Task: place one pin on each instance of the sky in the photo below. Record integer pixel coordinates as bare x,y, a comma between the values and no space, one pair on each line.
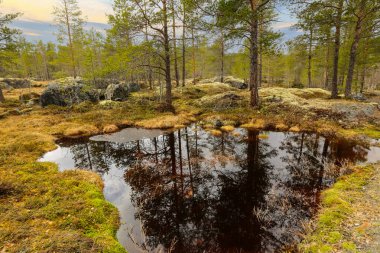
36,23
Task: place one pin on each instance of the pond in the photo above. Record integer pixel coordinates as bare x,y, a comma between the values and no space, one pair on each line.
191,191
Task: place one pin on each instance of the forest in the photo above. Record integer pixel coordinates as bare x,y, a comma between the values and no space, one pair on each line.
191,126
178,42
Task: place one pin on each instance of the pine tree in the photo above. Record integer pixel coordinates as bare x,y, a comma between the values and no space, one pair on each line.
7,40
69,20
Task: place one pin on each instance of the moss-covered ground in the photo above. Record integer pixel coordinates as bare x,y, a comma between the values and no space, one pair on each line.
348,220
43,210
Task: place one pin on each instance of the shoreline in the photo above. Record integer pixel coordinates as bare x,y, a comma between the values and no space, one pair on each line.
39,189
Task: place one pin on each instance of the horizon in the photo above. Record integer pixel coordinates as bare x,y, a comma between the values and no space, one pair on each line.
36,21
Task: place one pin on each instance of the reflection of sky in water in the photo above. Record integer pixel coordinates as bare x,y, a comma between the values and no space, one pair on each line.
139,172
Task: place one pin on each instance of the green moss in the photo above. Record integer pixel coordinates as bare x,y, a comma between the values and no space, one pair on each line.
54,212
336,209
370,131
334,237
349,246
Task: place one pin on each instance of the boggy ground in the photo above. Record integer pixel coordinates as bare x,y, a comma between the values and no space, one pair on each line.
47,211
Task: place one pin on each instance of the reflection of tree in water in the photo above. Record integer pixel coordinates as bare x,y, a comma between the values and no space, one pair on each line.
217,215
99,156
308,154
163,193
306,160
243,191
220,194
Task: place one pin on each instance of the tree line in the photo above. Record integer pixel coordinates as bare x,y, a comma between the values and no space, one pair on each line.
174,43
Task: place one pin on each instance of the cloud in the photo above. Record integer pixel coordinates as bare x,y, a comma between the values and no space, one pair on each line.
41,10
283,25
33,34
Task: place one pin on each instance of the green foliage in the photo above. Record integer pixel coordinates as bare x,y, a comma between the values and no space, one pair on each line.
8,54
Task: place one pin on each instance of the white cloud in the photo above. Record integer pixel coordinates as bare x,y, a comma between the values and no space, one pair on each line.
32,34
41,10
283,25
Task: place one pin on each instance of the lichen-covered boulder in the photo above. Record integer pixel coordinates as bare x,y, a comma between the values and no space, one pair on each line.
4,85
359,97
236,83
67,95
16,83
134,87
223,101
116,92
53,95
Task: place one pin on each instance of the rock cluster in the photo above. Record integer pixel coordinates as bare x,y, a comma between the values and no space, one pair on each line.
116,92
236,83
70,91
231,81
67,95
15,83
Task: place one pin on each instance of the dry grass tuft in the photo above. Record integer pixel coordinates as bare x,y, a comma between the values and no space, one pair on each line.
81,131
282,127
263,136
166,122
110,129
215,132
295,129
256,124
227,128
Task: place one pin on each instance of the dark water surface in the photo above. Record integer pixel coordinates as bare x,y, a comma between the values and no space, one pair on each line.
189,191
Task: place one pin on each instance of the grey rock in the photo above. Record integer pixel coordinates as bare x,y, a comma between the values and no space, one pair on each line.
133,87
218,123
53,95
116,92
16,83
4,85
102,83
359,97
236,83
67,95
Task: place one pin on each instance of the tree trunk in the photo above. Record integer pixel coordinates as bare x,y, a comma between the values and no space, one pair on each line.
184,47
253,77
327,62
362,82
260,52
222,59
168,95
338,24
2,98
175,48
193,51
150,71
353,53
70,40
260,68
310,57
